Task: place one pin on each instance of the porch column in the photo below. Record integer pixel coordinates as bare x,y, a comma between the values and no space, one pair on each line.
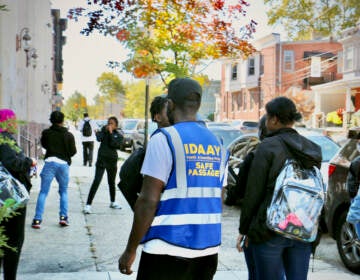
347,107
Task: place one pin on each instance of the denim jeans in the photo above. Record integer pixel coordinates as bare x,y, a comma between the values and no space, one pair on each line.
61,174
353,216
281,257
249,259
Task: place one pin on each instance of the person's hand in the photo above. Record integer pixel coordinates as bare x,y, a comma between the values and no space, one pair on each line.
125,262
34,162
241,243
110,128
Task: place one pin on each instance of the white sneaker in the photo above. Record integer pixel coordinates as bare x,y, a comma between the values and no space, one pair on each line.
115,205
87,209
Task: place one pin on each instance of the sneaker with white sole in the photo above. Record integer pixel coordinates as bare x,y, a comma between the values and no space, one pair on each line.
115,205
87,209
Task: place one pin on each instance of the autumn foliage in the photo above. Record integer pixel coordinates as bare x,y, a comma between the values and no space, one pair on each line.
170,37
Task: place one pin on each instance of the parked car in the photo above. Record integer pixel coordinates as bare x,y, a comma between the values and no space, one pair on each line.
100,123
245,126
337,206
139,135
210,124
241,146
226,134
128,127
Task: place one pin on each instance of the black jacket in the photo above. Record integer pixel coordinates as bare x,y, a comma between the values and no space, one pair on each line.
15,162
58,142
353,178
110,142
267,163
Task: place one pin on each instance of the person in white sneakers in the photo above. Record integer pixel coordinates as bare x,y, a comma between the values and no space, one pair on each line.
111,140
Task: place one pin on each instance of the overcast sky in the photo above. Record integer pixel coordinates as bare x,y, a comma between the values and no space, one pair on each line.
85,57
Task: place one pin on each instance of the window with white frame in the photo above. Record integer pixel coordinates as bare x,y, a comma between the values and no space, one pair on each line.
233,102
288,61
252,100
349,58
340,62
261,98
261,64
251,66
245,100
239,101
234,72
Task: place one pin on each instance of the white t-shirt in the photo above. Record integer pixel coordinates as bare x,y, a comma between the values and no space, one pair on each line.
158,151
94,127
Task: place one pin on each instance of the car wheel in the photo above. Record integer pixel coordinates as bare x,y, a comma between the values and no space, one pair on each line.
348,246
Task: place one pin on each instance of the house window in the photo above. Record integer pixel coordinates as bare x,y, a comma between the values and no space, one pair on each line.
288,61
233,102
261,64
252,100
340,62
245,101
251,66
349,58
239,100
234,69
261,98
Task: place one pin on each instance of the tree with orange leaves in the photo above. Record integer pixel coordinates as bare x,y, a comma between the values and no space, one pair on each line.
170,38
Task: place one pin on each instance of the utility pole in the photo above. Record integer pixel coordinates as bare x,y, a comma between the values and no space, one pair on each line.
146,132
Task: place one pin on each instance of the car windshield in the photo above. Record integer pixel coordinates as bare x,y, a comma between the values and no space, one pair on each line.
226,135
328,147
250,124
128,124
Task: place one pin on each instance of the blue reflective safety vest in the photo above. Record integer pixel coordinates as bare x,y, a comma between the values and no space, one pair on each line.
189,211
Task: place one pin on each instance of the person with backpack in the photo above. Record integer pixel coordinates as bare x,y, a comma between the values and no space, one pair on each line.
275,256
238,194
130,176
88,129
110,141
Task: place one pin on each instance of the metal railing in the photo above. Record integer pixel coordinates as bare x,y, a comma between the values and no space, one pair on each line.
30,141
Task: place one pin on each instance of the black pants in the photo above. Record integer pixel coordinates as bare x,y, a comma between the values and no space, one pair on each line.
165,267
88,149
111,168
14,230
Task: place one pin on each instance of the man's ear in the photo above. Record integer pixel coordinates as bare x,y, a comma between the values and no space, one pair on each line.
156,118
170,105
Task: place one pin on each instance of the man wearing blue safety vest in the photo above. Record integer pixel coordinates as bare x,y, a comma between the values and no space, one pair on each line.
177,216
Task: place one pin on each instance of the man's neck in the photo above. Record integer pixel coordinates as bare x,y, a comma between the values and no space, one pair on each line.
180,117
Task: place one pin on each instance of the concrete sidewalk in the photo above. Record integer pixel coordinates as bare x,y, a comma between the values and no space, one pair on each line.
90,247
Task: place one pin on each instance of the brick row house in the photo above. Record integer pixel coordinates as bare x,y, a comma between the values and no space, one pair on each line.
277,68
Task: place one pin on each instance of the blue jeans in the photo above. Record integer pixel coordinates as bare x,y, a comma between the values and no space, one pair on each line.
61,174
249,259
281,257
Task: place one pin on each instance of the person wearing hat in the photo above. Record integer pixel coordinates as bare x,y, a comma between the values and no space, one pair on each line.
177,215
59,144
19,165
